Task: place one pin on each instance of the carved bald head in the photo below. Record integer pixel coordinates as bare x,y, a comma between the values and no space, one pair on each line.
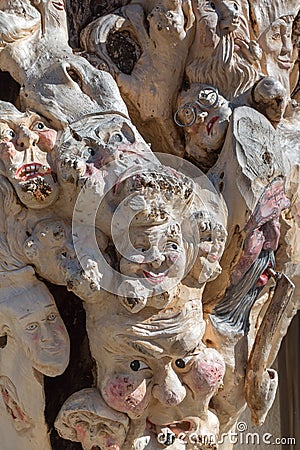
30,317
25,141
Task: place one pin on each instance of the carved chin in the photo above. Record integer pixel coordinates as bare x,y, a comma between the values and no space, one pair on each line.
37,192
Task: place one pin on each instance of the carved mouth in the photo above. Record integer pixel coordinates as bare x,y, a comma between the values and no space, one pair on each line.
210,124
28,171
59,5
95,447
284,63
155,278
177,428
264,277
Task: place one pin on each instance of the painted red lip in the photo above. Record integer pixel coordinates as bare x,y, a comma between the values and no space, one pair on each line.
28,171
177,428
284,63
210,124
59,5
155,278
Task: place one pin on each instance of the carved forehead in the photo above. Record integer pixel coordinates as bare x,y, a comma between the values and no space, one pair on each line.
167,333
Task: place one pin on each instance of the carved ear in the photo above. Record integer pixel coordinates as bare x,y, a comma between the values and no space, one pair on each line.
30,249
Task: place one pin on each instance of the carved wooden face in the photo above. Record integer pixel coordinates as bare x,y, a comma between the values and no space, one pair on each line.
34,322
156,255
278,52
227,12
148,371
50,250
24,143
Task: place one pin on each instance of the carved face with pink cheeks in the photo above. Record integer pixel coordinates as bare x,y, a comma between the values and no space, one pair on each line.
32,319
159,369
24,144
155,255
279,54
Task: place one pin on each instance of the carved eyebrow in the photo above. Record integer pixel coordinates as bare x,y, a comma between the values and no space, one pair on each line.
29,313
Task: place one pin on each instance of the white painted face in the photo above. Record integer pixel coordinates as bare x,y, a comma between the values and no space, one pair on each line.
24,143
35,323
156,255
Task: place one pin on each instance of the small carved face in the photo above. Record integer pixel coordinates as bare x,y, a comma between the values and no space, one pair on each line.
276,41
226,12
156,256
96,434
205,123
24,144
38,327
50,250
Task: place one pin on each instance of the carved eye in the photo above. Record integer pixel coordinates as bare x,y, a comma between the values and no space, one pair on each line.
89,151
235,6
38,126
181,363
276,36
31,327
51,317
172,246
9,134
137,365
115,138
212,5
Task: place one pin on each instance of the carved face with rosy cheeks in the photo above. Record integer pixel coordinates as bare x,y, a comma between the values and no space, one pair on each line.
156,256
144,370
32,319
24,143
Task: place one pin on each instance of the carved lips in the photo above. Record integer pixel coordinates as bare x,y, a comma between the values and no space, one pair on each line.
211,123
31,170
59,5
155,278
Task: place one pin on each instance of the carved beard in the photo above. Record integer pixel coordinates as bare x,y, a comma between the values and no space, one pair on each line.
229,71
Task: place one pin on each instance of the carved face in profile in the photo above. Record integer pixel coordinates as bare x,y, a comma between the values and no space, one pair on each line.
155,255
50,250
24,143
159,369
31,318
278,53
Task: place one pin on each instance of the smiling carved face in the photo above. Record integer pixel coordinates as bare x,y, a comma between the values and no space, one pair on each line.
24,143
156,256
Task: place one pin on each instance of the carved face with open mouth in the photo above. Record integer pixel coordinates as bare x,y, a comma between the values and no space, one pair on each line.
156,256
24,143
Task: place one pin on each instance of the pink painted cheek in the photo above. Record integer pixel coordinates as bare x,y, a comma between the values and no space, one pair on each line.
81,433
47,139
7,151
123,394
207,374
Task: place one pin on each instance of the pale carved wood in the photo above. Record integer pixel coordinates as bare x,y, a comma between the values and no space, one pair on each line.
188,282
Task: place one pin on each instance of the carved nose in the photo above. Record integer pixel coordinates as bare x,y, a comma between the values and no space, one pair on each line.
169,390
157,258
228,18
27,138
287,46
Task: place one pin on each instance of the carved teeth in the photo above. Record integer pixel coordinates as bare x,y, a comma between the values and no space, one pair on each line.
32,169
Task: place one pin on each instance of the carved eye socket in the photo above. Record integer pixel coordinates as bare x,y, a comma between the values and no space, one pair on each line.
8,133
51,317
235,6
212,5
89,151
172,246
115,138
32,327
137,365
38,126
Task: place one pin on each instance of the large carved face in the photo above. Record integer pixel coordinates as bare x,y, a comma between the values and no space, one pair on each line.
24,143
34,322
159,369
278,52
156,255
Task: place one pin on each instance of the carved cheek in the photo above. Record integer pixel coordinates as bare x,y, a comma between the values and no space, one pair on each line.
124,394
7,151
47,139
206,374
